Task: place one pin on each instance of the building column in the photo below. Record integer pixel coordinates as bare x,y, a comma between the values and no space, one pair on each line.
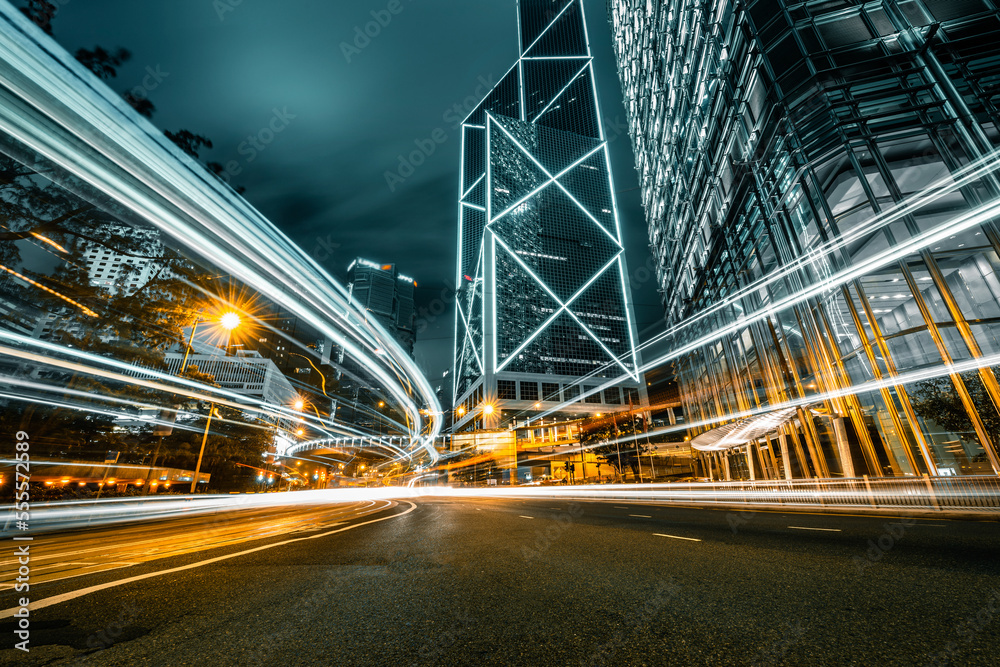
772,459
671,416
725,465
765,469
843,447
749,455
492,420
787,462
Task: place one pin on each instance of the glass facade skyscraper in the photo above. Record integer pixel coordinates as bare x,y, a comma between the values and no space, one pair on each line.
819,181
542,302
387,295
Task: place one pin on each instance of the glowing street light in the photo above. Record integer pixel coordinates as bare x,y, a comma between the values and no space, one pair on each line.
230,320
488,409
299,404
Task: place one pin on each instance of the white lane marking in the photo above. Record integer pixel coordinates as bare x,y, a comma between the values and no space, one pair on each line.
825,530
83,572
525,517
50,567
677,537
348,507
56,599
641,516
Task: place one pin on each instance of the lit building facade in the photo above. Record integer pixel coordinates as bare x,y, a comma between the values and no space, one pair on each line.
118,272
387,295
247,373
818,178
543,312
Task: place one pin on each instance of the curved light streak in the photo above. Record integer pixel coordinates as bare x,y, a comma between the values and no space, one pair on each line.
977,216
69,117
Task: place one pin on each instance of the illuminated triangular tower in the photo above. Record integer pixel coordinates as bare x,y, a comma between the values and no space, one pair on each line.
544,311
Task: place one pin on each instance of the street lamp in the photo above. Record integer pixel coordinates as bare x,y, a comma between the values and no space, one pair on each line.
229,322
201,452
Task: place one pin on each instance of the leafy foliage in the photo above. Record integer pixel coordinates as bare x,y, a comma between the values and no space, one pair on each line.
938,400
141,104
599,436
189,142
102,62
41,13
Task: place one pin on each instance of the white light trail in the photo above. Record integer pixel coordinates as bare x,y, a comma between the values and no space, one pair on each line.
96,139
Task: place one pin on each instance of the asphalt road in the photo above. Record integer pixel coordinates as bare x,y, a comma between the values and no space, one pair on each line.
523,582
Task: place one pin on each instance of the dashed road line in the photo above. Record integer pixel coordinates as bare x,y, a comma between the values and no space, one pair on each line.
677,537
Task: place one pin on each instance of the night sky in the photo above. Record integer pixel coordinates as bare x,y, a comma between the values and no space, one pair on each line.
226,66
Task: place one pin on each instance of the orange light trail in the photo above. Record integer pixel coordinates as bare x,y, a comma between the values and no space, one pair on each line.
45,239
86,311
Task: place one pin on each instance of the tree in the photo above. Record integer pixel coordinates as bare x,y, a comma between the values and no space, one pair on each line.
128,320
141,104
103,63
188,141
938,400
41,13
234,438
600,435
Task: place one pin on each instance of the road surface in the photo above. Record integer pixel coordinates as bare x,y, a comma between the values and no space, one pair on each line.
520,582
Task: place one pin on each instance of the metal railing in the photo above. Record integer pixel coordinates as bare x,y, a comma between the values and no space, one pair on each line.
965,494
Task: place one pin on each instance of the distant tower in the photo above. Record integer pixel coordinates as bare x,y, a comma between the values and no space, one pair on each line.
542,299
388,297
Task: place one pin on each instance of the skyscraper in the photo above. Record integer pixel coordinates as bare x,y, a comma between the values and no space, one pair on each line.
818,179
542,301
387,295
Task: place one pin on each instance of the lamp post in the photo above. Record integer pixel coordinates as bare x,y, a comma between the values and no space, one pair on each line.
229,321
